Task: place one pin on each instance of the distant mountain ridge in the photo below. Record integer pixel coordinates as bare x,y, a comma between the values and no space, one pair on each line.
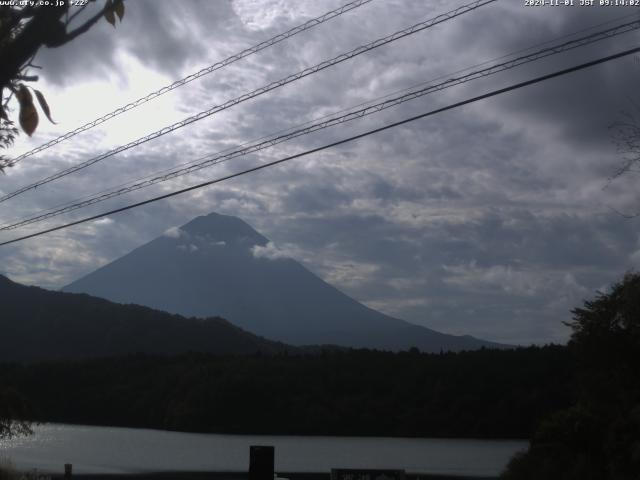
219,265
40,325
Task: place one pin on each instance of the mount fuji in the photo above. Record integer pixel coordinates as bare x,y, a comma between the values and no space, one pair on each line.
209,267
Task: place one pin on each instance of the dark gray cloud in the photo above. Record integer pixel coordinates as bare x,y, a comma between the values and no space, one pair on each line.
581,106
90,55
166,36
491,219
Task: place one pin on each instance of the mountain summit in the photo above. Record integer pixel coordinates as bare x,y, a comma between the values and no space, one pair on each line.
218,265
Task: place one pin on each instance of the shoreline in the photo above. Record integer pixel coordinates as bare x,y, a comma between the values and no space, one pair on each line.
280,434
234,475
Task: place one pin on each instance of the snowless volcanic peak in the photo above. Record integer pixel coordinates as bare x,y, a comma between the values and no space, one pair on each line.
218,265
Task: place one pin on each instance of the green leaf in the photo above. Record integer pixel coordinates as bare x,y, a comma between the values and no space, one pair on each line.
119,8
28,114
23,95
44,105
28,118
109,14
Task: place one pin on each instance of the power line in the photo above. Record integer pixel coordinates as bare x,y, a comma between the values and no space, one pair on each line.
183,81
352,107
262,90
311,127
337,143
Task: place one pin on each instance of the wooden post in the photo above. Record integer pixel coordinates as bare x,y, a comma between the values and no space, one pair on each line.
261,462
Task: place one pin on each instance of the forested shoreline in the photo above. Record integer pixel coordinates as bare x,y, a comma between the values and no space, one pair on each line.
476,394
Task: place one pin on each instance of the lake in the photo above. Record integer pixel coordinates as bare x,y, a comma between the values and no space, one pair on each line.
126,450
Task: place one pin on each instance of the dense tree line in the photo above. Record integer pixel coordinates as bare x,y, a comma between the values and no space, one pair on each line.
486,393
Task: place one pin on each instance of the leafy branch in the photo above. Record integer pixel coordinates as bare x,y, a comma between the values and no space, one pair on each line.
23,30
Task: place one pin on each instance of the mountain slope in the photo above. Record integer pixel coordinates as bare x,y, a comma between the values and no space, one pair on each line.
37,324
216,265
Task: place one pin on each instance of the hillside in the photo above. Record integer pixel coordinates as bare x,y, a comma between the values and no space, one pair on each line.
38,324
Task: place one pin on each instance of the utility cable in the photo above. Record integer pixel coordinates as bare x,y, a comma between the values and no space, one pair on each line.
221,157
335,144
260,91
183,81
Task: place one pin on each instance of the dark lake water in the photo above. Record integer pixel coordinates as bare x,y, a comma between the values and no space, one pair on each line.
126,450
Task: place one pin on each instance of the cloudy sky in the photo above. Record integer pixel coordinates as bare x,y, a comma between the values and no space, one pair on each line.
493,220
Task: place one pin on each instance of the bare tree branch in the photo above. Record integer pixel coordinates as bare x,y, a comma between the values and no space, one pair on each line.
28,78
78,12
86,25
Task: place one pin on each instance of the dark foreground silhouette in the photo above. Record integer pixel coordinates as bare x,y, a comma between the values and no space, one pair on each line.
598,437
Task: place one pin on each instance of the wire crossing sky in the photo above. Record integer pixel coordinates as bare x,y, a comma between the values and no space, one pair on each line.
493,220
183,81
418,27
334,144
336,120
